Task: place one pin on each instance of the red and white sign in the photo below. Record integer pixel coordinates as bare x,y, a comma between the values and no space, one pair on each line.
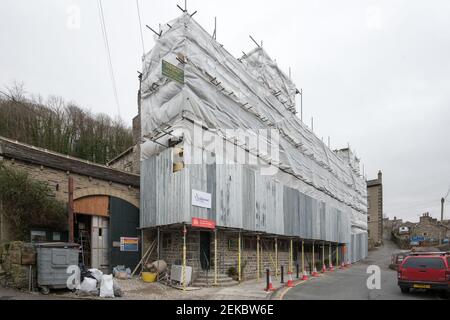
203,223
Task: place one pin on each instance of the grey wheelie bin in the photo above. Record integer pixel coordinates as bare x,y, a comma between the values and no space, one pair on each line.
53,258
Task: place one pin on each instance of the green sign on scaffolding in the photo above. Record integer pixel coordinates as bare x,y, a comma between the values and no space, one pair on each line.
172,72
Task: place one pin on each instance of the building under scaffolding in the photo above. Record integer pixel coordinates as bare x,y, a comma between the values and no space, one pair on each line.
231,180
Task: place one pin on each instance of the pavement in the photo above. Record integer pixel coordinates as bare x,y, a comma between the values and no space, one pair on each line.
351,283
135,289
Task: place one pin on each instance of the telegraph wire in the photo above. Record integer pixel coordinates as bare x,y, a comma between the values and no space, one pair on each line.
108,53
140,26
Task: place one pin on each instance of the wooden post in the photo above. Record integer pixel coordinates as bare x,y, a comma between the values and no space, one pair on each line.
184,257
258,270
239,257
70,211
276,257
215,257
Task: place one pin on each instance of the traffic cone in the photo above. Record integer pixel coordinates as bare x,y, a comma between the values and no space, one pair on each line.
304,276
314,273
270,287
290,282
331,267
324,268
342,265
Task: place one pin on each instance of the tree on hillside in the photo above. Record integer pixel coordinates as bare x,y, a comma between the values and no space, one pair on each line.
60,126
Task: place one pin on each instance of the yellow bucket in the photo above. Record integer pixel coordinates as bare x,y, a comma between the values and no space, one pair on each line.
148,276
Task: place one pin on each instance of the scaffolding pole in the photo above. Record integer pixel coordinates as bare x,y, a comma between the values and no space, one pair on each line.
313,259
258,270
329,256
337,255
303,257
291,255
323,254
215,257
276,257
239,257
184,257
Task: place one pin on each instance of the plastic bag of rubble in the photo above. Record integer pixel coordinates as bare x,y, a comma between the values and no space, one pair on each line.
107,286
88,285
117,289
97,274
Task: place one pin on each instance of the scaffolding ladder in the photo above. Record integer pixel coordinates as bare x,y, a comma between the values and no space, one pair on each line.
85,246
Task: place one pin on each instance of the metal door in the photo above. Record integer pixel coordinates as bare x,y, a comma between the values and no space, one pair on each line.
124,222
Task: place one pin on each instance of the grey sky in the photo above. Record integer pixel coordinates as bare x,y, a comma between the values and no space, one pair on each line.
375,74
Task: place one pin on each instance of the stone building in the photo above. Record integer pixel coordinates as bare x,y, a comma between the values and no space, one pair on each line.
105,201
375,211
430,229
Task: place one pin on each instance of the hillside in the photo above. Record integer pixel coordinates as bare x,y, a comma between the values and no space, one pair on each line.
63,127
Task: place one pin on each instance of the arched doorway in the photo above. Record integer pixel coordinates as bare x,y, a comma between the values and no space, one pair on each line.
107,229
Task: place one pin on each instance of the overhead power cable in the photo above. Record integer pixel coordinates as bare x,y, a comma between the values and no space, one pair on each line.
108,54
140,26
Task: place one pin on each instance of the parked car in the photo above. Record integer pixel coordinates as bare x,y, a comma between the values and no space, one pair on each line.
397,258
425,270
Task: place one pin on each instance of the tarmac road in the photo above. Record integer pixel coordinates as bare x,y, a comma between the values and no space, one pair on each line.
350,283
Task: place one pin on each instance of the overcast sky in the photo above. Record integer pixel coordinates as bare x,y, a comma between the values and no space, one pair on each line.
375,74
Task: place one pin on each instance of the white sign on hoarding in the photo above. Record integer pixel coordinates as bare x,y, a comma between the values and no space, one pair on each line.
201,199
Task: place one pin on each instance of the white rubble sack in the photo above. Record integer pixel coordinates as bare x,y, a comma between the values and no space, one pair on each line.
97,274
107,286
88,285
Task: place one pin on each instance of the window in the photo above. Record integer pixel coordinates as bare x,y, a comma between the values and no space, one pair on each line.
56,236
249,244
424,263
38,236
166,240
283,245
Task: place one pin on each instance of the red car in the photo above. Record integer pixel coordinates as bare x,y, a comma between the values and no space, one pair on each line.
425,271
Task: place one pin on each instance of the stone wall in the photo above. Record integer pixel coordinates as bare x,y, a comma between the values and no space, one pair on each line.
15,260
4,228
129,161
58,181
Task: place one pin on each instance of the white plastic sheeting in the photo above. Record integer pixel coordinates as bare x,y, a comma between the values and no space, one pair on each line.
221,92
